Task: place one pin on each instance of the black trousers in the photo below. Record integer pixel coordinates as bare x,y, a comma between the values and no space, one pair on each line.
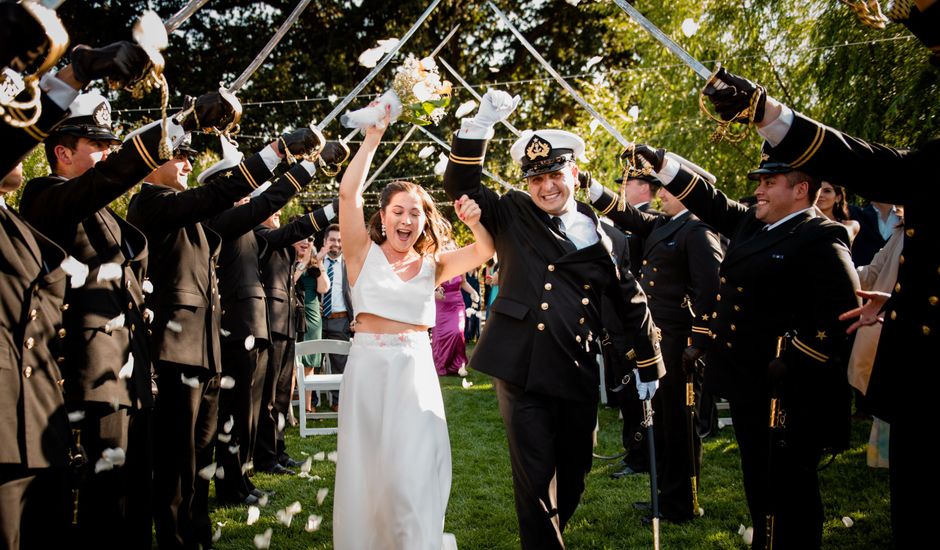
236,410
114,505
550,446
791,490
275,403
675,463
35,507
185,421
911,468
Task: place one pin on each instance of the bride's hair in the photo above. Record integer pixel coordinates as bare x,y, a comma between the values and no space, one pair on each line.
436,229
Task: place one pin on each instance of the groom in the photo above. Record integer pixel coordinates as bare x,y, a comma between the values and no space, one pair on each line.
541,342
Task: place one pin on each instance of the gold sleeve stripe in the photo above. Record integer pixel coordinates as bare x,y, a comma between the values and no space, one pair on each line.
245,172
688,188
649,362
478,162
701,330
613,203
458,157
313,220
144,153
293,181
811,150
31,130
810,351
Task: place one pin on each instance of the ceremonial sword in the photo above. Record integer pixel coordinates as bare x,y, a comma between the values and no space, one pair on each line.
473,92
181,16
587,106
440,142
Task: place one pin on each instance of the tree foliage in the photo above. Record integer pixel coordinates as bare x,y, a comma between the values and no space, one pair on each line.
812,54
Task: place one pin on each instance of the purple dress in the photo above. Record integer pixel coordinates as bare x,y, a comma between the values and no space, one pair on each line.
447,343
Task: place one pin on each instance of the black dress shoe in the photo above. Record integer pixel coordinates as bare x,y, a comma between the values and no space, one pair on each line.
251,500
627,471
291,463
277,469
261,493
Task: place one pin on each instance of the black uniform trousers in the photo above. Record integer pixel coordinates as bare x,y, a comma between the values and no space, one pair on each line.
631,408
550,451
791,490
672,434
37,507
115,505
275,403
236,404
185,420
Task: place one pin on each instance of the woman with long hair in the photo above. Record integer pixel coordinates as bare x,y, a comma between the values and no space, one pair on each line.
394,470
832,203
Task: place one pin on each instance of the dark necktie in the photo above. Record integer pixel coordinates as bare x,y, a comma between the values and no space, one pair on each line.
560,226
328,296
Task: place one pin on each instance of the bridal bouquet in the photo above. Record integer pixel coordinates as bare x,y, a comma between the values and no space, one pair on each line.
418,96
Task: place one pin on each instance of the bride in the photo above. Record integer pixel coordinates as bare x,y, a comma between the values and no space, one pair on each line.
393,471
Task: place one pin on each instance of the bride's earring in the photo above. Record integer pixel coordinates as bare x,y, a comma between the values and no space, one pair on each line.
383,229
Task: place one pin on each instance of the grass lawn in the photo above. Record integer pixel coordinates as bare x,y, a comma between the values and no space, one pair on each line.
481,512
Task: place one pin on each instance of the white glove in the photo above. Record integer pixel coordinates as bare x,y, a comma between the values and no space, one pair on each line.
496,105
645,389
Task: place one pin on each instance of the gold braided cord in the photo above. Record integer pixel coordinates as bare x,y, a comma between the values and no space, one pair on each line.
746,117
33,103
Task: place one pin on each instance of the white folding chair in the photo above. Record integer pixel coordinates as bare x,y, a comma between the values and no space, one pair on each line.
317,382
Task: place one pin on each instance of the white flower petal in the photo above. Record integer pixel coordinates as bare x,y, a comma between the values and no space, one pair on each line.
305,467
128,369
332,98
253,514
494,69
220,473
209,471
594,124
320,456
294,508
462,371
76,270
250,342
465,108
387,44
741,529
76,416
441,165
148,315
233,449
263,500
227,427
284,517
114,324
422,91
313,523
280,422
634,112
466,383
573,2
370,58
321,495
114,455
109,272
426,152
147,286
689,27
332,456
593,61
748,536
227,383
191,382
224,332
224,438
847,521
103,465
218,534
174,326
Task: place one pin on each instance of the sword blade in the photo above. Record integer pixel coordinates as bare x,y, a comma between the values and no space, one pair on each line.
181,16
375,70
391,155
269,47
558,78
473,92
446,147
670,44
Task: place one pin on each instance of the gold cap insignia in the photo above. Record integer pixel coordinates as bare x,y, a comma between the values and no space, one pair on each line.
764,157
537,148
102,115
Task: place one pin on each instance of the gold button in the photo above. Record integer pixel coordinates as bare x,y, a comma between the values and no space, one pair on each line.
27,372
130,306
30,343
541,326
60,360
718,298
733,328
897,287
544,306
581,321
645,262
133,327
548,286
714,315
723,280
585,301
894,315
933,300
33,314
926,330
587,287
740,289
909,232
652,283
655,269
551,267
737,308
64,307
61,333
729,344
901,259
577,338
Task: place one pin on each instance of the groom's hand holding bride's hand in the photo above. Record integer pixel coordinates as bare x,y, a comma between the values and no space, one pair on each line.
468,210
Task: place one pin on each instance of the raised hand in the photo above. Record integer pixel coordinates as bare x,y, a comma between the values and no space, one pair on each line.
212,110
306,143
734,96
121,62
496,105
641,159
468,210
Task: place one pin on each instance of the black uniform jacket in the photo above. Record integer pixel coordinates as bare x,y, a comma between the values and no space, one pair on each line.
75,214
18,142
794,281
277,268
183,253
34,427
546,319
912,315
679,266
244,312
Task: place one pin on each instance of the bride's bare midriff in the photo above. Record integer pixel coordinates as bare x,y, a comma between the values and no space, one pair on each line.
369,323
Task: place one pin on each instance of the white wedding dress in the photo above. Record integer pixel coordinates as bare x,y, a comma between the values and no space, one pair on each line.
393,470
